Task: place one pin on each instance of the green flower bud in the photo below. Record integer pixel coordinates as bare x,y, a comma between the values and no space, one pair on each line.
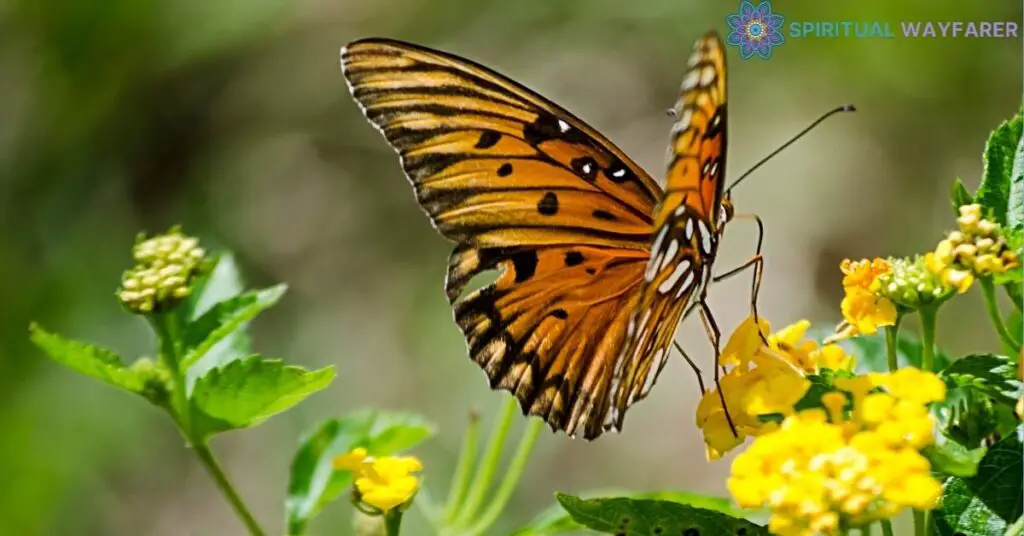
166,266
911,285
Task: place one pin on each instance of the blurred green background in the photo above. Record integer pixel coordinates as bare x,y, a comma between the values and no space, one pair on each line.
233,118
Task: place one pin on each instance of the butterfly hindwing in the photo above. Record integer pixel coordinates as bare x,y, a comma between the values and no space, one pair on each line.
529,190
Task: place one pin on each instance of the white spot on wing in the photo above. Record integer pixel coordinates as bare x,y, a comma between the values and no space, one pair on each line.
670,254
652,267
652,264
673,278
705,238
690,81
619,173
707,74
587,167
689,228
687,282
563,126
653,372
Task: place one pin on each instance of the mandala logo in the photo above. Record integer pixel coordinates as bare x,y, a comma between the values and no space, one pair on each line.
755,30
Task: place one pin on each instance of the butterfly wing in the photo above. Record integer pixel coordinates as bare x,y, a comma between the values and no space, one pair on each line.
525,188
687,222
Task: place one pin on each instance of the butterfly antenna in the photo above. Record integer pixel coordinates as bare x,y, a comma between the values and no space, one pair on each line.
826,115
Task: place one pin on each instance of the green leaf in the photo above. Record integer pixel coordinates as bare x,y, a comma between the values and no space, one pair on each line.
871,354
990,500
959,196
994,376
953,459
246,392
821,384
555,520
99,363
994,192
646,517
1015,206
313,483
222,282
223,319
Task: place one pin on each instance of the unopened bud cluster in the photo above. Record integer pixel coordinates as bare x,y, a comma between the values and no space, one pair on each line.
166,266
909,283
977,249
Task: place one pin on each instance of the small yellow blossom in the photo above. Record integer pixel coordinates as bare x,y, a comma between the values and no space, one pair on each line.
761,380
163,275
864,309
823,469
385,482
977,249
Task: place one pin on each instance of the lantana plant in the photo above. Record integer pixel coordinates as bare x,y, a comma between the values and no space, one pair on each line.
837,429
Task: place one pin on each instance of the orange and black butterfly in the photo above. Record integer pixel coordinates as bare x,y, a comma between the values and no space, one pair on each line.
597,263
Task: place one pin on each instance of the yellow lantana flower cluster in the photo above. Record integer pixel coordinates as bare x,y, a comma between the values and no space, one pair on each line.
978,249
823,471
761,379
864,308
383,483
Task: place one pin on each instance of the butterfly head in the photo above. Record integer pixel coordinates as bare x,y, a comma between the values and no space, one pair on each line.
725,214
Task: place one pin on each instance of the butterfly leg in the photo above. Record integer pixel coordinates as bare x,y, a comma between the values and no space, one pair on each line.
757,262
696,370
715,335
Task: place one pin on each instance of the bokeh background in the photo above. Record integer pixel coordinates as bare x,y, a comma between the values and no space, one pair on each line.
232,118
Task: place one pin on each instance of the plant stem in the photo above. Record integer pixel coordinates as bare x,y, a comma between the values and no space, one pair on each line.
928,314
886,527
865,529
211,465
393,522
992,307
485,471
464,469
919,523
168,329
891,333
508,484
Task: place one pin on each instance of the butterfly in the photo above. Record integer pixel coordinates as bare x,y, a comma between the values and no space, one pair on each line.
597,263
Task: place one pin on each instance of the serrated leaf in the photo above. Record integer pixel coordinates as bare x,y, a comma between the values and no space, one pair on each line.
951,458
871,353
91,360
959,196
990,500
313,483
244,393
646,517
994,191
222,282
994,376
555,519
1015,206
223,319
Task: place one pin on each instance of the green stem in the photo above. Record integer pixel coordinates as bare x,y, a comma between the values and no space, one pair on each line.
919,523
508,484
865,529
886,527
992,307
393,522
212,467
464,469
891,334
928,315
485,471
168,329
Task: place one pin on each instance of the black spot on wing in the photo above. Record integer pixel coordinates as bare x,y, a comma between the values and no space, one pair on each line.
548,204
547,127
604,215
488,139
585,167
573,258
525,264
505,170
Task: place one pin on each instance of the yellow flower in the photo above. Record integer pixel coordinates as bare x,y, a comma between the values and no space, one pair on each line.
864,308
821,470
761,380
384,482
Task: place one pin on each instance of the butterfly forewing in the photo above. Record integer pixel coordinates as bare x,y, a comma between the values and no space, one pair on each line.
687,222
527,189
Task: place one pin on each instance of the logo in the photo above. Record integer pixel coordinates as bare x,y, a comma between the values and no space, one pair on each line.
755,30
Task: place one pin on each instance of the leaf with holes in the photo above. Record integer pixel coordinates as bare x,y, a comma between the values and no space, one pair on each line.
555,520
313,483
647,517
988,502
